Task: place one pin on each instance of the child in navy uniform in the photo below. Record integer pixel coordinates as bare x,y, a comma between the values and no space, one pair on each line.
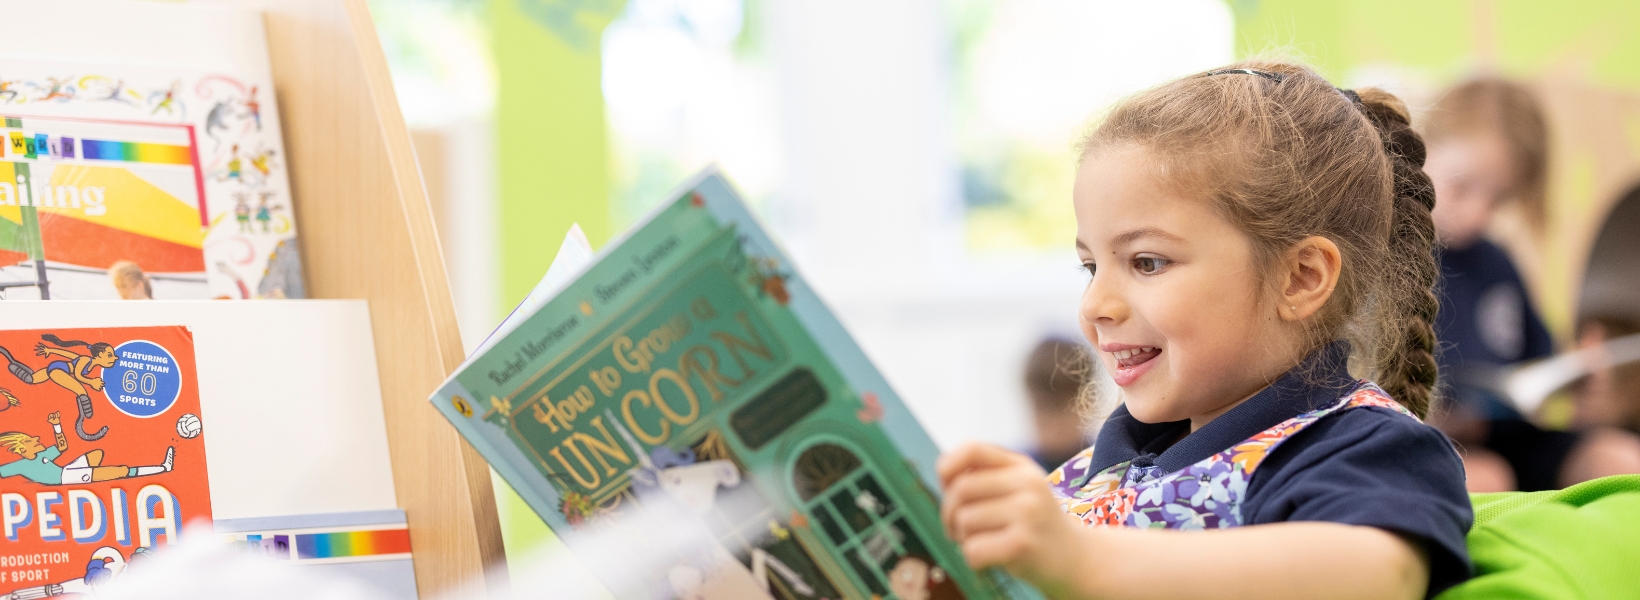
1489,151
1253,235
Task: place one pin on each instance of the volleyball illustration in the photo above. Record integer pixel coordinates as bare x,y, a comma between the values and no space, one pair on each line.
188,426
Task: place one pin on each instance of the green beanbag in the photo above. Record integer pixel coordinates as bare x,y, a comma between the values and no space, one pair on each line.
1580,542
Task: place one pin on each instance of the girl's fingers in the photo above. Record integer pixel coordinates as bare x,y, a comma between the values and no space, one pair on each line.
983,487
974,456
954,462
977,519
993,548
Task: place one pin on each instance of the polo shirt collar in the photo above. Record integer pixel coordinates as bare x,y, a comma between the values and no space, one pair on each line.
1320,380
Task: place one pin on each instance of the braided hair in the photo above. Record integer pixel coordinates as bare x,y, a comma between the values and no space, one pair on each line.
1406,362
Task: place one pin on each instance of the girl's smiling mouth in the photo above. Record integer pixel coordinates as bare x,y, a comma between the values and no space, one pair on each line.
1131,361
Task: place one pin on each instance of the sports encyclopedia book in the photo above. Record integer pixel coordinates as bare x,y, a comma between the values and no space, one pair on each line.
694,423
102,455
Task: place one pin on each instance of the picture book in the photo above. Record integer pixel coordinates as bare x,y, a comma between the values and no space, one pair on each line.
99,210
204,69
310,375
102,453
326,504
693,422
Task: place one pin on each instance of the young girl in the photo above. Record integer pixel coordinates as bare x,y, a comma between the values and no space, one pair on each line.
1252,233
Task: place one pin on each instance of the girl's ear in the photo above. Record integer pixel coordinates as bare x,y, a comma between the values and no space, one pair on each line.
1309,271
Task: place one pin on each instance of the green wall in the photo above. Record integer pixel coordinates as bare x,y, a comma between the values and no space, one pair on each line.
1446,39
553,146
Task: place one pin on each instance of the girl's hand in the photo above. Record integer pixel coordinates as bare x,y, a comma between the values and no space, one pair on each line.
96,383
40,349
999,510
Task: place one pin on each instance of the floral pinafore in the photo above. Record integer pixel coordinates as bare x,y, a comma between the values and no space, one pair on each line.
1205,495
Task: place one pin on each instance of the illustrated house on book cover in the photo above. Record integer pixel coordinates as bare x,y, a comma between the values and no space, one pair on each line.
694,423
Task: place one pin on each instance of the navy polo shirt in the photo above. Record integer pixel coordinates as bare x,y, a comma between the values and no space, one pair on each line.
1486,318
1485,322
1364,466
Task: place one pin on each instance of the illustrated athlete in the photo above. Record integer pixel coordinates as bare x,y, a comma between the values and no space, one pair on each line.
38,461
71,371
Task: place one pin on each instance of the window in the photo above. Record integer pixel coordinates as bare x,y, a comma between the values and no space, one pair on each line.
863,522
1029,74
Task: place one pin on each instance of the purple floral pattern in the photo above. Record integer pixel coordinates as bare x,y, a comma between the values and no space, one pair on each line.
1205,495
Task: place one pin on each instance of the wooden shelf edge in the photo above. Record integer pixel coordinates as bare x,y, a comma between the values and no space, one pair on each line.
368,232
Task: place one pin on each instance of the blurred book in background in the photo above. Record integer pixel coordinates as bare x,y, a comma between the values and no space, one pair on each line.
199,78
84,204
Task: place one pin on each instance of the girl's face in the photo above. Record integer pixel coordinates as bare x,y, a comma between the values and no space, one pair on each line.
1473,176
1174,307
104,359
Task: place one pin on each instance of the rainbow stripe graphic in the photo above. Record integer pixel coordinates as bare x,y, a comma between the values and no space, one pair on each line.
346,544
143,152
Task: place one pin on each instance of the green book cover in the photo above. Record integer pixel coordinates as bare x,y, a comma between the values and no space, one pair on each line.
694,423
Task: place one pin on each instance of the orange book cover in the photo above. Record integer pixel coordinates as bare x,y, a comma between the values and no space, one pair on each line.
102,454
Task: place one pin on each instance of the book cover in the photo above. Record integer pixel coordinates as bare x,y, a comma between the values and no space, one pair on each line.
370,547
202,68
99,210
694,423
102,454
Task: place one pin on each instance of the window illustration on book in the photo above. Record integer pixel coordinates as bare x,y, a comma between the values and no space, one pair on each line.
102,454
694,423
93,210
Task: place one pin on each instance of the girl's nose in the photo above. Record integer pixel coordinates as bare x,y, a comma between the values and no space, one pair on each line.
1102,303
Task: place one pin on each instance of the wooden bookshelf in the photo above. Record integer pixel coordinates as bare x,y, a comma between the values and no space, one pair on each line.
368,232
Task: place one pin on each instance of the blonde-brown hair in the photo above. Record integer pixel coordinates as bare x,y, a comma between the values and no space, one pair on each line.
1285,156
15,442
1490,105
128,275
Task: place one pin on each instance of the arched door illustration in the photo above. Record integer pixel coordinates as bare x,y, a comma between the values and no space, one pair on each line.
844,498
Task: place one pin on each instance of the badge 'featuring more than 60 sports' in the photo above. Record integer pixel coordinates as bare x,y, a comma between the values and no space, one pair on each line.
102,454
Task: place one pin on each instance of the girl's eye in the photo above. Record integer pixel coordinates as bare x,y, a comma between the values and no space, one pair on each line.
1089,267
1150,265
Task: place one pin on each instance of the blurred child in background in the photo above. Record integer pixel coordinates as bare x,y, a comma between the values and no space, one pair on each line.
1610,396
1607,404
130,281
1055,372
1488,150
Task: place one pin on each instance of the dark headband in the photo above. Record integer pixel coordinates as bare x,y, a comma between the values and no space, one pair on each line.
1276,77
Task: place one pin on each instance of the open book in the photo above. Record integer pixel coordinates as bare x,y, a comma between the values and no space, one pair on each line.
694,423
